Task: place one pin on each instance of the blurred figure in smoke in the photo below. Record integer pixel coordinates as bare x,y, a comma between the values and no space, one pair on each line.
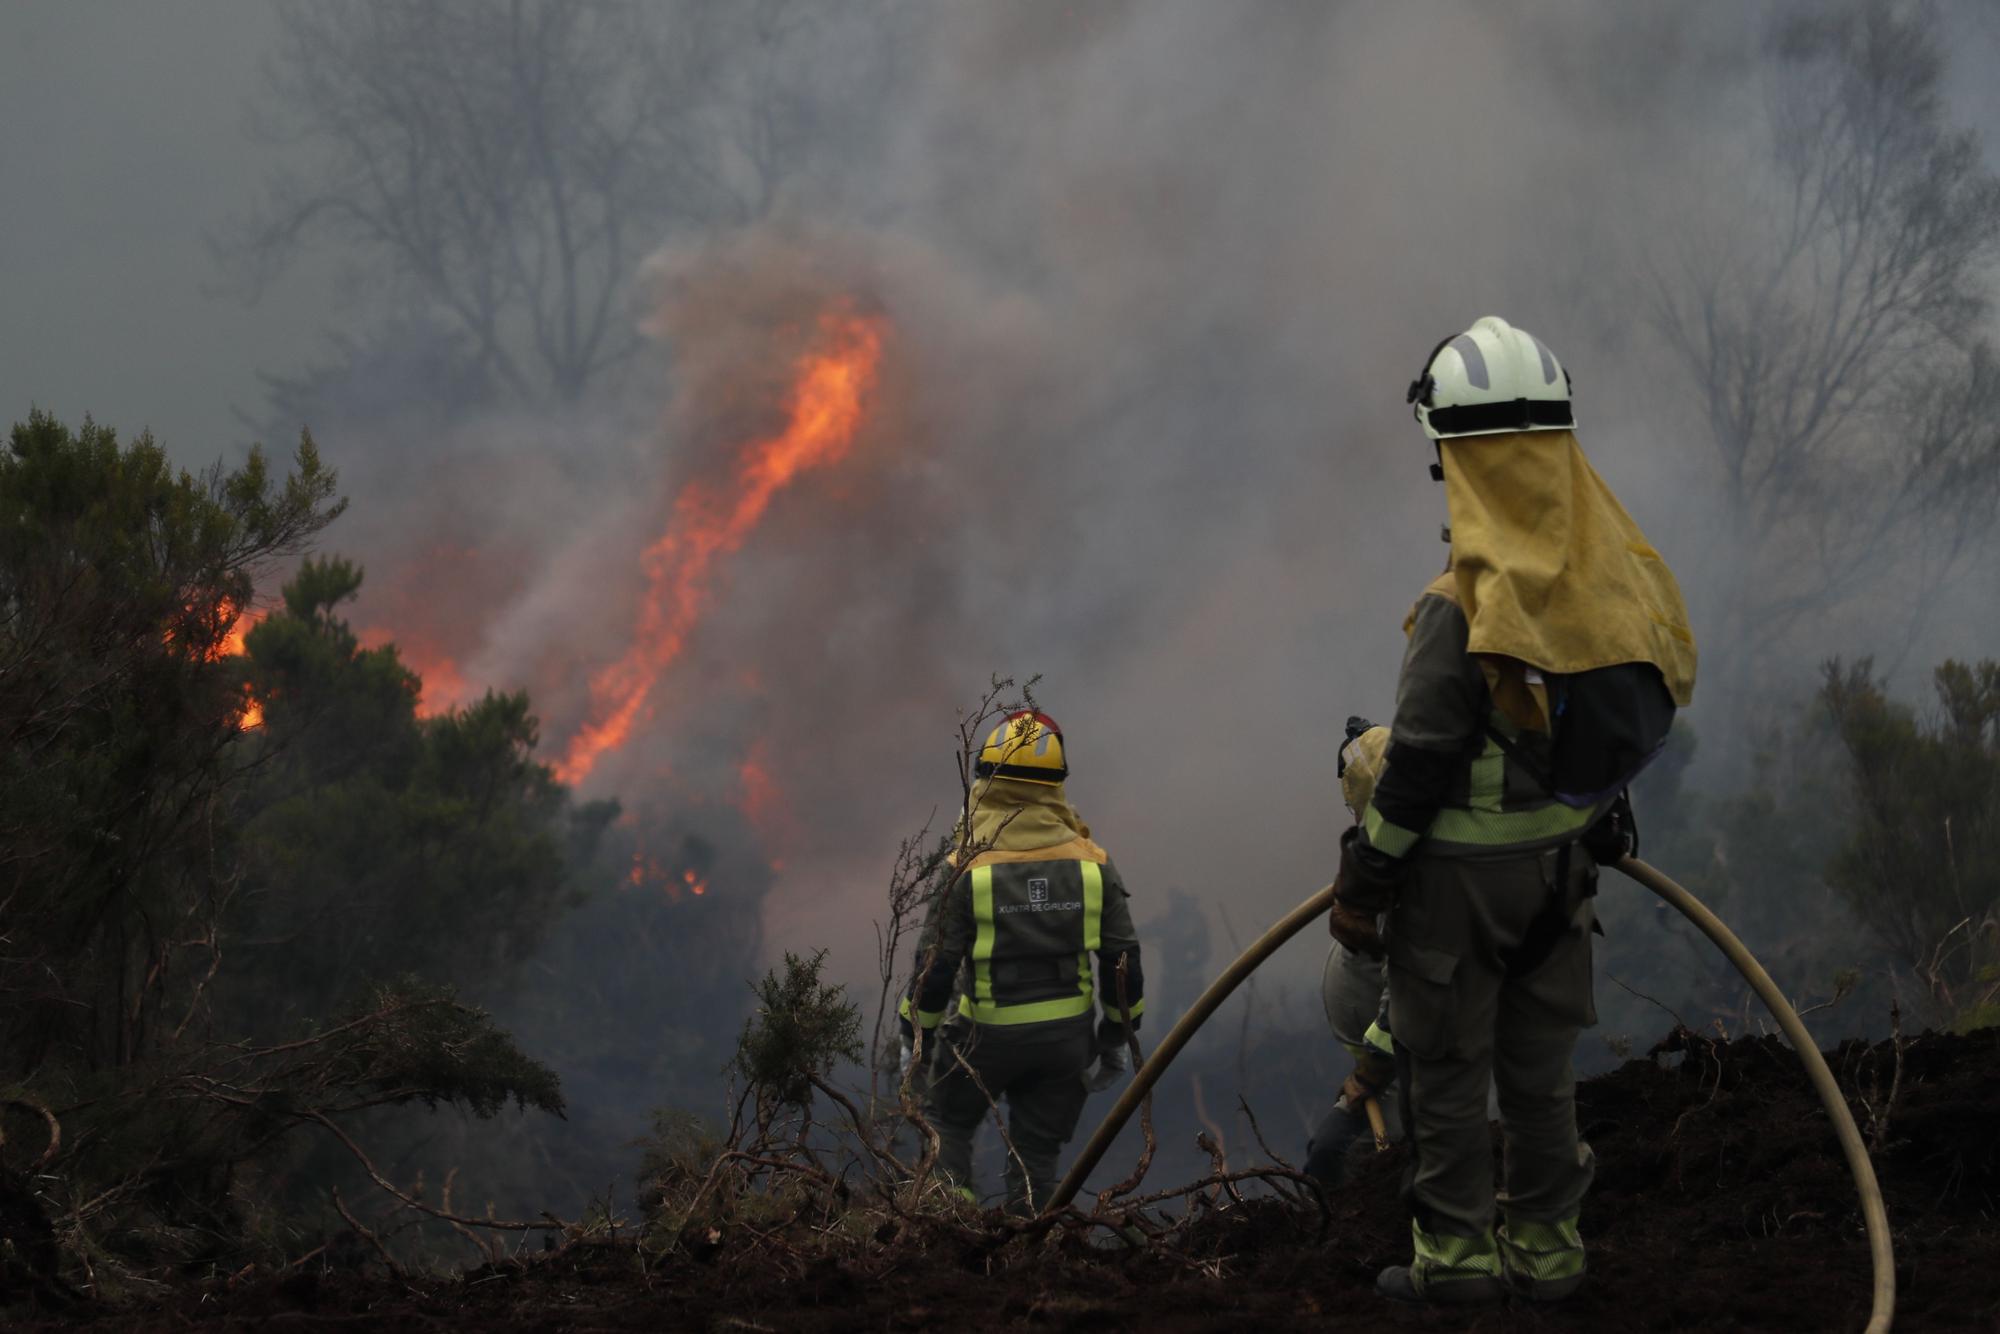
1542,671
1355,991
1033,902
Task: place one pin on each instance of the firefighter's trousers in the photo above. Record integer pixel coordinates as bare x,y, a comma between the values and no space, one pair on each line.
1460,1019
1038,1075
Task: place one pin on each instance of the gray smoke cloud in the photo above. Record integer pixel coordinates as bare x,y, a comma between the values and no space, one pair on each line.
1154,278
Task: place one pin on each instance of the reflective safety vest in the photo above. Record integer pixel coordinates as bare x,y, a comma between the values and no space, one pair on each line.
1448,781
1042,940
1497,806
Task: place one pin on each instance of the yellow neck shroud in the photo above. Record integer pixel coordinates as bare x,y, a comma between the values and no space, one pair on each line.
1549,568
1019,821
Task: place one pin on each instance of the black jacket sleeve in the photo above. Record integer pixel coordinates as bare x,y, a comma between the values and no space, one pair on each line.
1118,942
1441,710
938,958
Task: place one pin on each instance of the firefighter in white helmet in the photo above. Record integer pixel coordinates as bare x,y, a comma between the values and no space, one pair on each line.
1540,668
1039,915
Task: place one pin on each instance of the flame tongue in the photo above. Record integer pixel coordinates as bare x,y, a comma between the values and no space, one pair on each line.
235,622
825,409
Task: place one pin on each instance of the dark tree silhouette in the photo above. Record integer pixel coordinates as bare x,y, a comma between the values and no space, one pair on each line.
502,168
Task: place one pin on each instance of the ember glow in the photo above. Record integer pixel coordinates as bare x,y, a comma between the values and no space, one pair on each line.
233,647
240,621
651,873
761,798
441,687
239,629
233,621
824,411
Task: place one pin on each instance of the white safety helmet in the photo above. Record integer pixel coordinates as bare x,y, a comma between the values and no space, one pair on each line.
1491,380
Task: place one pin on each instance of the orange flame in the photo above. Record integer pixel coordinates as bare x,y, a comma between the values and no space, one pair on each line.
239,629
647,870
824,412
236,623
233,646
441,687
241,620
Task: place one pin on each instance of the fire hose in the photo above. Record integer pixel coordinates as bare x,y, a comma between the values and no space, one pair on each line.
1873,1211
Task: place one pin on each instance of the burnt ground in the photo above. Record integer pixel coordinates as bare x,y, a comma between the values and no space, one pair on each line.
1721,1203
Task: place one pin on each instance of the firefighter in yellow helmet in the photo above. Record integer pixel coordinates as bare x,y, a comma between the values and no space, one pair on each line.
1542,669
1037,915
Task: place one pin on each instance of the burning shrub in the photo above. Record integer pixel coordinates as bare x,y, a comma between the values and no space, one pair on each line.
380,843
162,1058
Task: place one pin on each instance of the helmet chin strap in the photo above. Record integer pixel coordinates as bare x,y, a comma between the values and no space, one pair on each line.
1437,475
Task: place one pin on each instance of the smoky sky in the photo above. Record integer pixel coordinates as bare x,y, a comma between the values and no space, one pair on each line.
1155,277
124,138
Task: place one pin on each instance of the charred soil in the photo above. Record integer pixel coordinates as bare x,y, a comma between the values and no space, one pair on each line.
1721,1203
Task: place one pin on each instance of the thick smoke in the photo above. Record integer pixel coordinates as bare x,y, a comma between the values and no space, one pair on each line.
1154,278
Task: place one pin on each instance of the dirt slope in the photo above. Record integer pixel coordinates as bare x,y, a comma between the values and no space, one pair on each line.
1721,1203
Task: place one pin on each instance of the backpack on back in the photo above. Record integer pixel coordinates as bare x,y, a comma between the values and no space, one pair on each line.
1609,723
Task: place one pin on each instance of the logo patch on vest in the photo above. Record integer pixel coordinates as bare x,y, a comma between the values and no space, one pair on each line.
1038,900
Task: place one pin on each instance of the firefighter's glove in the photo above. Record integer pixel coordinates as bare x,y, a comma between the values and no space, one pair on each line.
1369,878
1356,930
1371,1078
1615,835
1102,1073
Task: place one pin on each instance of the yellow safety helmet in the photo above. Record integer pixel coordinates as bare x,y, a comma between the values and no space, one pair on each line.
1026,745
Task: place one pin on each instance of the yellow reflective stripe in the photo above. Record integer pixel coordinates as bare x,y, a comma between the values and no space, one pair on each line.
1033,1012
1378,1037
1488,779
1444,1258
922,1018
1093,905
1542,1251
1490,829
982,938
1093,923
965,1006
1387,836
